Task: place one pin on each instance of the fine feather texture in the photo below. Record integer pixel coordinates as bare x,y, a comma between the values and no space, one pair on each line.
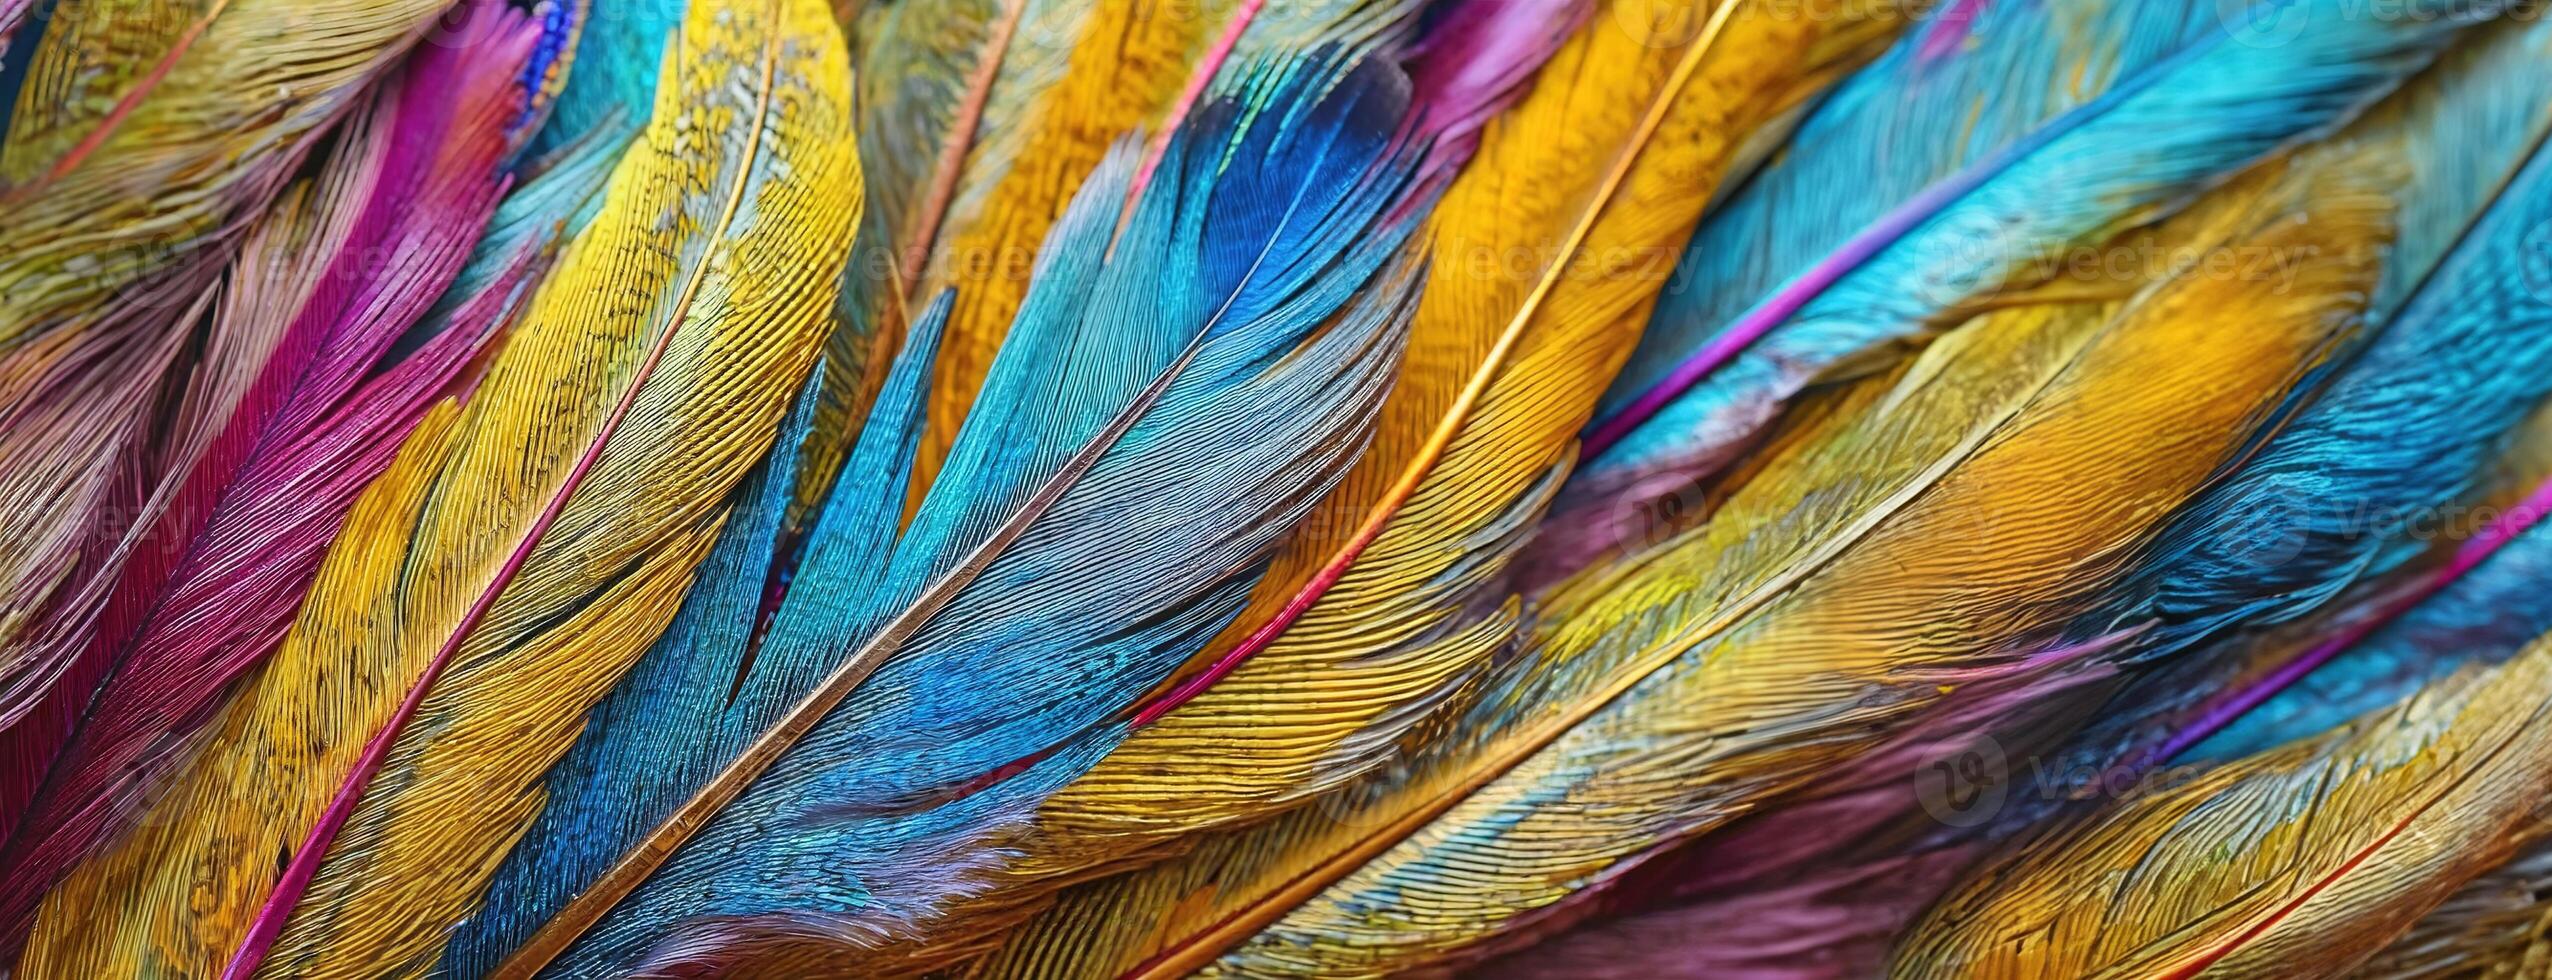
2335,491
2300,862
2496,928
611,69
1321,488
1148,779
214,583
1134,61
1807,201
650,282
1828,601
2484,611
940,77
1389,634
110,253
2139,151
1329,697
1269,216
2407,426
1743,584
705,678
1064,845
775,82
202,137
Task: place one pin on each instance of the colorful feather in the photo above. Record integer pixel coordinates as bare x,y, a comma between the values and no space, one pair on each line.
1341,488
1807,862
2228,95
1756,649
2494,929
1133,64
332,284
2302,861
1274,219
1324,690
648,375
111,248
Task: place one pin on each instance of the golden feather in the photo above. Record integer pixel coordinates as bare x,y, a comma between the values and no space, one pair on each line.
2299,862
1972,507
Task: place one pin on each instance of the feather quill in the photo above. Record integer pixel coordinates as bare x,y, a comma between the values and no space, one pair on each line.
641,402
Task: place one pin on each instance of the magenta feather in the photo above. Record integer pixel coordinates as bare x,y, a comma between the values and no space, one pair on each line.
219,573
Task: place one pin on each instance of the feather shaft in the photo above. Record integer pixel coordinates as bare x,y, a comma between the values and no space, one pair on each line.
730,783
150,80
721,790
952,154
1860,249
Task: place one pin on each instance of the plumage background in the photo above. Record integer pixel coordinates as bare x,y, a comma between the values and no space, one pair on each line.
1057,489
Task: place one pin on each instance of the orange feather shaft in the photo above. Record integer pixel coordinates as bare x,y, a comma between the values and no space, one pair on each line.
952,156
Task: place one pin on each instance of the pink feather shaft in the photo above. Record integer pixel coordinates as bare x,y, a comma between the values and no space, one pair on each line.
2241,700
1206,68
1799,292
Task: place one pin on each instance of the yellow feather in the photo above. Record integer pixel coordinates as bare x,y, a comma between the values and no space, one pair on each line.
173,896
2299,862
1974,505
253,83
93,52
2498,927
111,245
1518,330
720,237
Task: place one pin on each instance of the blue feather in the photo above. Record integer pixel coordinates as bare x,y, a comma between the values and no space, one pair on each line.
611,68
2232,95
1259,269
705,691
2486,616
2409,426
